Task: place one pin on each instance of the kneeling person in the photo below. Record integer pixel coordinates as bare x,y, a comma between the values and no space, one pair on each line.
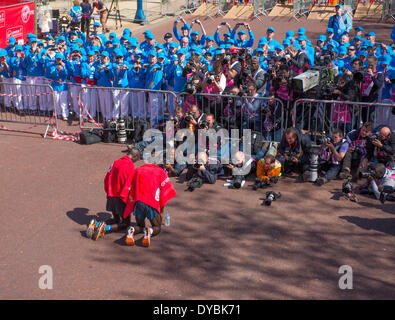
268,170
331,157
151,191
117,185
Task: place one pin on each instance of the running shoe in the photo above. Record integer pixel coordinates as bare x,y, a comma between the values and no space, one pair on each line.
147,237
130,236
100,231
91,228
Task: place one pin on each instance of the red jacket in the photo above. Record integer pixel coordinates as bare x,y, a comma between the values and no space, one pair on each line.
119,178
152,186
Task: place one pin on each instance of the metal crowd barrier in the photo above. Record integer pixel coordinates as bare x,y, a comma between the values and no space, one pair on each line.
98,104
27,103
263,114
318,116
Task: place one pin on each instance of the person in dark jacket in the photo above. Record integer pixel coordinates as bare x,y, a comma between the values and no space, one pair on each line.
384,147
205,170
360,147
294,151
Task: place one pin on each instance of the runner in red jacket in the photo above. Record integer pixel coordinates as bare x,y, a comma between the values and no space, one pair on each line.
117,185
151,191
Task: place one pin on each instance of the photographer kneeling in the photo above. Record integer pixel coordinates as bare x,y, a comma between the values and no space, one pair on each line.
378,177
202,171
294,151
331,157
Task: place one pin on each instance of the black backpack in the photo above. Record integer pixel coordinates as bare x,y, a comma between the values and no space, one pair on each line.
256,141
90,136
109,132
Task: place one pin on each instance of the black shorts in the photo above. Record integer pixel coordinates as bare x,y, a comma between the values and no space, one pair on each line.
116,206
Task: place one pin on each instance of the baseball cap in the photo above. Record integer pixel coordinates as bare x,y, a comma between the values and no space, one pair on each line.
149,35
329,30
18,47
97,24
161,55
363,53
301,31
90,53
302,38
241,32
194,32
105,54
371,33
198,51
3,53
118,53
112,34
152,53
11,41
342,50
359,28
289,34
321,38
58,55
115,42
174,45
339,6
286,42
168,35
357,38
227,34
271,29
210,38
181,51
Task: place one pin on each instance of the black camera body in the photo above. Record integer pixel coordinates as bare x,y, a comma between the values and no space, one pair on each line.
373,136
204,124
188,117
366,174
237,181
259,183
195,182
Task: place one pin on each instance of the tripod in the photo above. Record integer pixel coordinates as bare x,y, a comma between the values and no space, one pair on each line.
115,6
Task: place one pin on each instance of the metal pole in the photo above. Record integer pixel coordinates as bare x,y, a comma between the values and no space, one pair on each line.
140,16
35,16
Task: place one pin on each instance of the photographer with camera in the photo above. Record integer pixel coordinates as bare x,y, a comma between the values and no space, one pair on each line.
242,41
299,62
294,151
213,83
332,153
252,107
377,178
239,171
268,171
360,148
204,170
384,147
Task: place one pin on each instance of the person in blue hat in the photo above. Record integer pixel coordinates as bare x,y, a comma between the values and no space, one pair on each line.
89,96
357,42
241,39
97,32
5,76
340,22
184,29
209,44
363,57
105,75
35,74
226,36
17,74
136,78
10,48
58,75
330,38
168,40
302,32
370,39
388,74
153,81
149,44
309,51
270,38
121,97
74,70
321,42
75,14
194,35
351,56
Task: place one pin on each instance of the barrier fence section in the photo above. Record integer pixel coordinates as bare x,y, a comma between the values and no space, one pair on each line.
27,103
262,114
263,7
301,8
388,9
318,116
99,104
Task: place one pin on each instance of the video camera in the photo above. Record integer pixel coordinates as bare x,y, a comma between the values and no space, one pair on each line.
270,197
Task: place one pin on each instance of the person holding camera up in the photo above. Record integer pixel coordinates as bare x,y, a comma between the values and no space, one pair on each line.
298,61
58,75
360,147
242,41
332,153
213,83
104,75
384,147
204,170
294,151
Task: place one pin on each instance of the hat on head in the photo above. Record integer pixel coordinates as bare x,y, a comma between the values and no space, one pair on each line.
301,31
90,53
152,53
11,41
61,38
73,32
329,30
339,6
359,28
75,47
227,34
302,38
105,54
58,55
217,52
230,41
126,31
342,50
3,53
262,41
363,53
259,50
39,42
371,33
161,55
174,45
33,39
174,57
18,47
79,41
49,37
198,51
149,35
289,34
115,42
241,32
280,47
112,34
271,29
181,51
321,38
194,33
357,38
168,35
97,24
210,38
118,53
286,42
